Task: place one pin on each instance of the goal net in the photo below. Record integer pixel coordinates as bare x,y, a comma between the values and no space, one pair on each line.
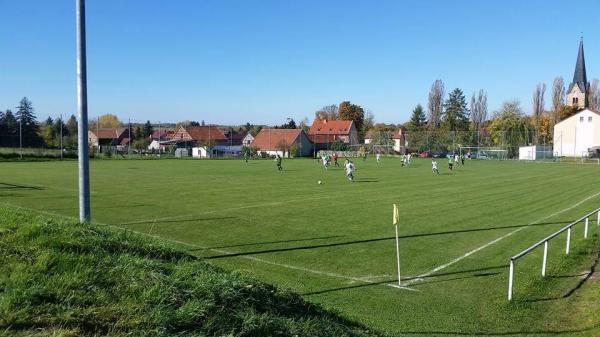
480,152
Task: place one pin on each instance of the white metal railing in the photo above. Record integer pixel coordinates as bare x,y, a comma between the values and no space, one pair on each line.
545,241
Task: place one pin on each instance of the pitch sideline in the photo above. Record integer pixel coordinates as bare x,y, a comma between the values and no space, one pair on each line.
460,258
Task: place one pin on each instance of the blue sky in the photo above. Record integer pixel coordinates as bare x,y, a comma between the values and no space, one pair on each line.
226,61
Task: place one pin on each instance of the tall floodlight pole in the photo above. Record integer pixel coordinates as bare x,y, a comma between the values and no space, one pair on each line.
21,136
61,137
82,126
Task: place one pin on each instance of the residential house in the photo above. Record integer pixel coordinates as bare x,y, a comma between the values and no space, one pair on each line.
283,142
247,140
102,138
323,132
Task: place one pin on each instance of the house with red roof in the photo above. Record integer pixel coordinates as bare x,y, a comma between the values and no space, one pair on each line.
199,135
283,142
99,138
323,132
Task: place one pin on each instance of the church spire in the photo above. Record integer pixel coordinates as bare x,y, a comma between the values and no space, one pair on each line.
580,75
577,95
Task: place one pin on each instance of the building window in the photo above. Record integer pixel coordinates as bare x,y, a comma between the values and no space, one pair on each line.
581,119
590,119
575,100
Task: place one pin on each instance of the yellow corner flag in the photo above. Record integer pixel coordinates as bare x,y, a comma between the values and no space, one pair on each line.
396,216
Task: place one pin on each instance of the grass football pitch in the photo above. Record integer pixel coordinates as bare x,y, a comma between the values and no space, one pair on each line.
334,242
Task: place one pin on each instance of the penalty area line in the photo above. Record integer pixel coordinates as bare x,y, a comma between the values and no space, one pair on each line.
464,256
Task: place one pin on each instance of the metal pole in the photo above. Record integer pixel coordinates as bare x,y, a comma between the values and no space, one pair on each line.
61,137
82,127
129,135
585,230
159,138
398,254
21,136
510,279
568,241
545,259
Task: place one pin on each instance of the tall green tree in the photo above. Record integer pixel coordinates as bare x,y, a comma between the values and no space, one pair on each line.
28,123
48,132
510,128
417,119
10,126
349,111
455,115
138,133
148,129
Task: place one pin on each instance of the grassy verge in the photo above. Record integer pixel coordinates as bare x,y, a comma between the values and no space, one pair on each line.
61,278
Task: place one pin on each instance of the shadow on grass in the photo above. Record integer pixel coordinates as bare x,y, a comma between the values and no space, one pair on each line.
477,271
583,278
177,221
336,244
366,180
274,242
507,333
8,186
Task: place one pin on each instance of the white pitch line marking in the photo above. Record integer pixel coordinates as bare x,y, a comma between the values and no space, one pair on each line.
283,265
458,259
402,287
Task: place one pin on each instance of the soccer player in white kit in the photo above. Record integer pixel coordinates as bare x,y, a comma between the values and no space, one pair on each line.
434,168
378,156
349,170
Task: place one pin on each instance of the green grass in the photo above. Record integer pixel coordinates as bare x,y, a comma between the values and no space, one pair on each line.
64,278
334,242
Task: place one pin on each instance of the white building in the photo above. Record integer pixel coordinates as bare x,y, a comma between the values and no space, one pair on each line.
574,136
247,140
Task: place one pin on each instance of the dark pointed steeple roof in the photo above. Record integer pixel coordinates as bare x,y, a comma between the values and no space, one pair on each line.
580,75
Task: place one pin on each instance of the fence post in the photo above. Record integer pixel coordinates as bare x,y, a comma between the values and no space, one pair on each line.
545,258
598,221
585,230
568,241
510,278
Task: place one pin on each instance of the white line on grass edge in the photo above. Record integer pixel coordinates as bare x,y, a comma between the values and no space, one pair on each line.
252,258
458,259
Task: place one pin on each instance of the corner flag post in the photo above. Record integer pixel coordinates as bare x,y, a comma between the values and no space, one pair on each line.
395,218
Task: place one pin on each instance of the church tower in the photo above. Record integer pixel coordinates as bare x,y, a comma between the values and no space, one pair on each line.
577,95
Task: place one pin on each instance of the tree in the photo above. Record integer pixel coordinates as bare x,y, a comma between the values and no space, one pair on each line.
417,119
140,145
291,124
435,103
509,127
328,112
71,141
148,129
107,121
28,123
538,105
48,132
455,113
558,98
304,124
349,111
10,126
479,109
368,122
594,95
138,133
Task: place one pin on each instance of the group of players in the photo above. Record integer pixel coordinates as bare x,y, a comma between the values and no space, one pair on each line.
327,159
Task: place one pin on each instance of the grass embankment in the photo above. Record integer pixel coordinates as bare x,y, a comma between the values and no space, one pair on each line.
61,278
